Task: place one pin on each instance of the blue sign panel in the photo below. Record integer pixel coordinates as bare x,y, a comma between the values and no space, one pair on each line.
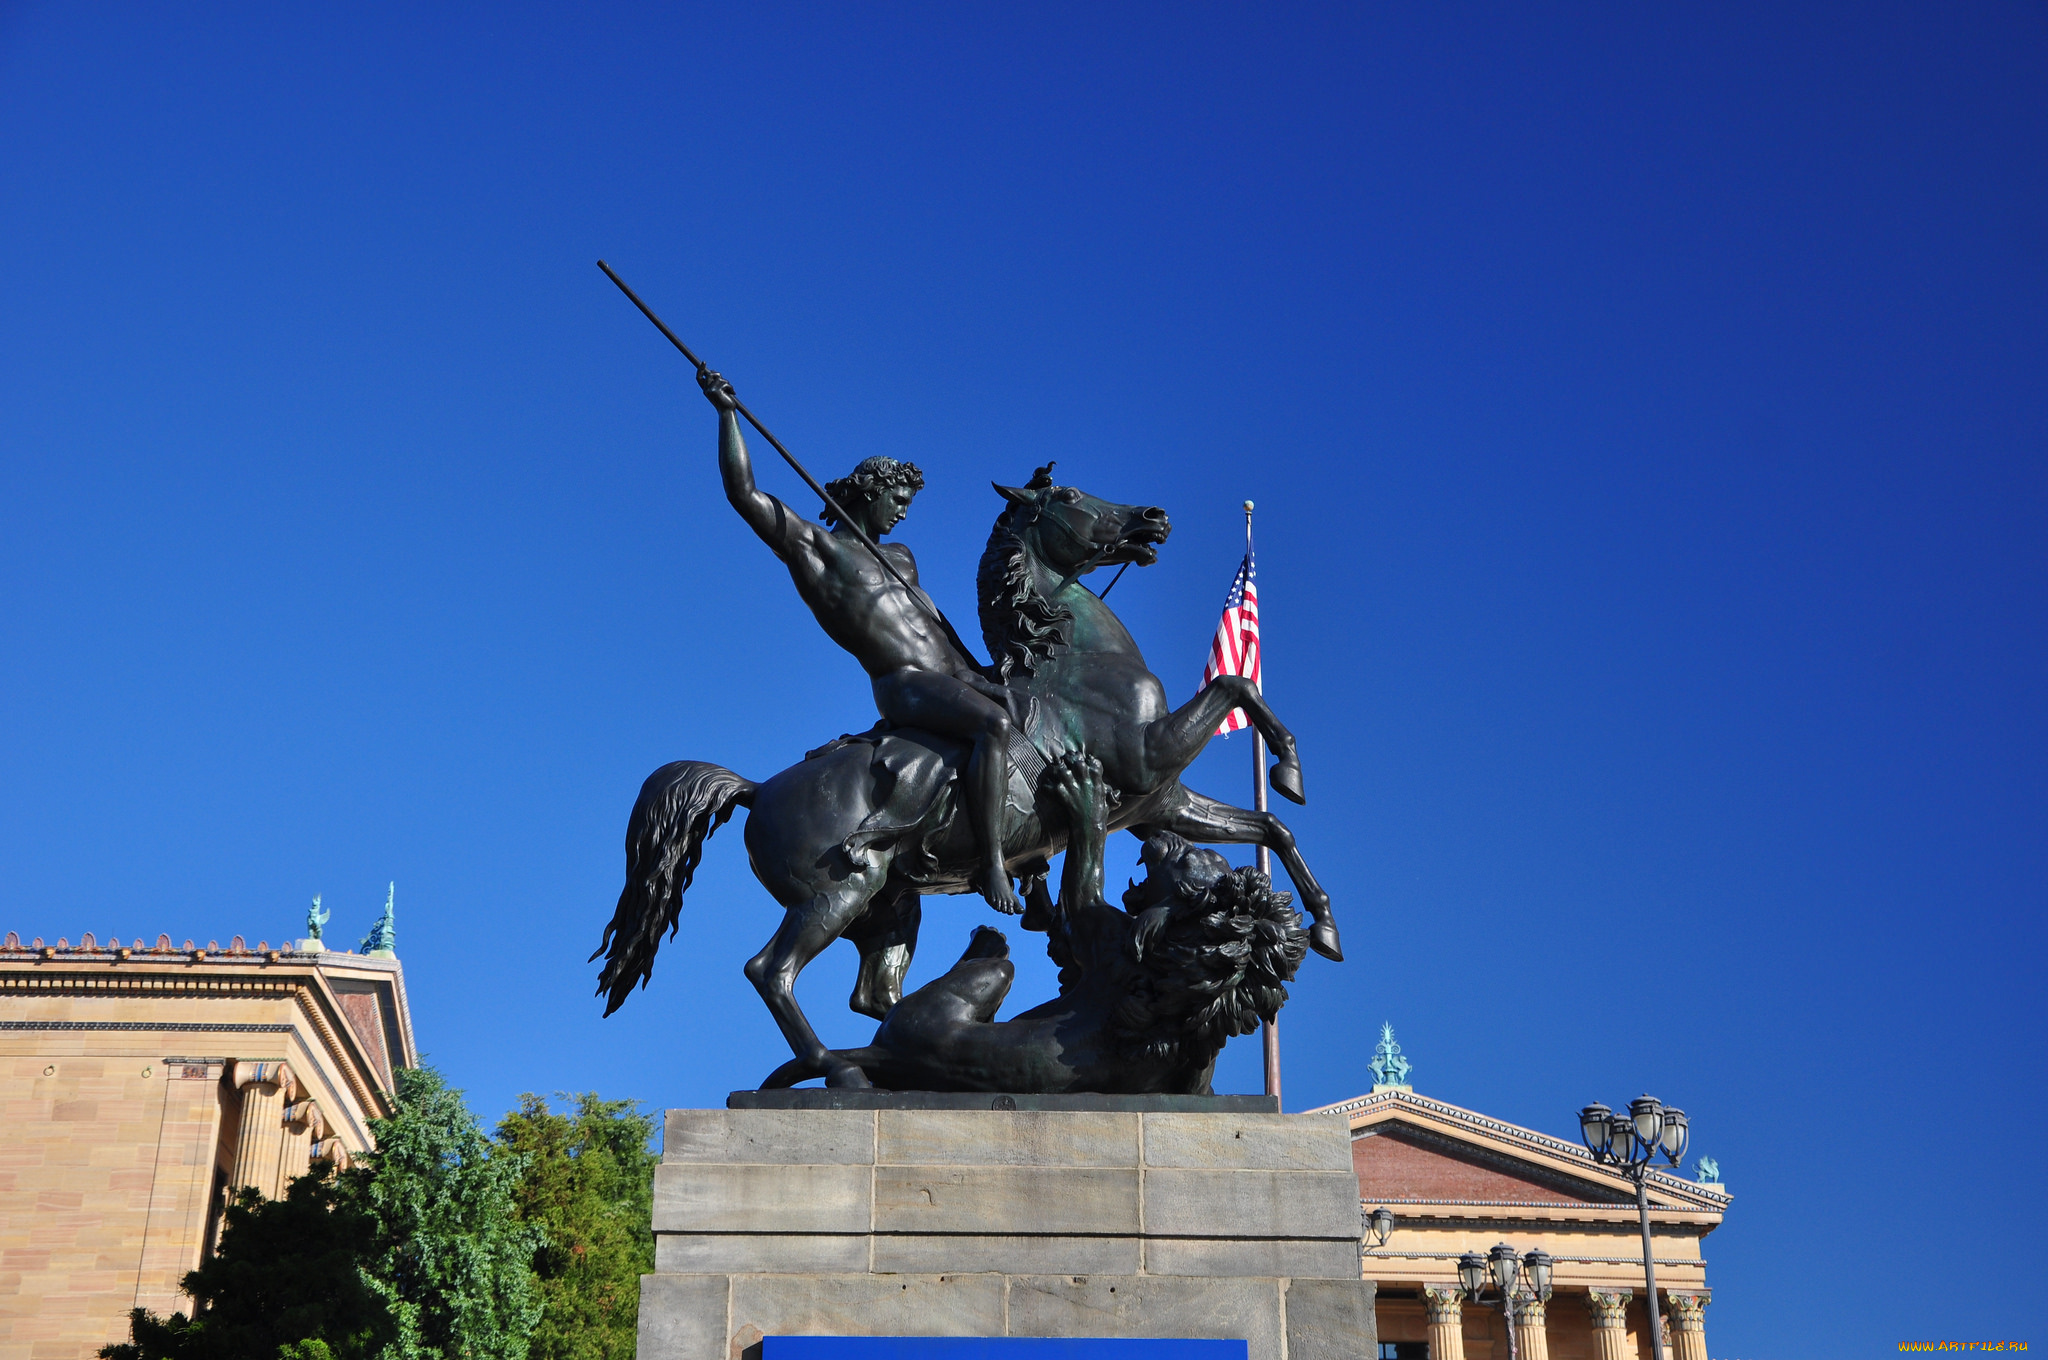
995,1348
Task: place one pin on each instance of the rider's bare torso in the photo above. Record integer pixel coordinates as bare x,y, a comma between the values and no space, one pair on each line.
862,608
920,675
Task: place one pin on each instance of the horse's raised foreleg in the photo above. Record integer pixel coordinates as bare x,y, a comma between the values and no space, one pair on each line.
1210,821
1172,742
803,935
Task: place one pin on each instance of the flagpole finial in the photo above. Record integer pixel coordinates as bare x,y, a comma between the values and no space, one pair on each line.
1247,507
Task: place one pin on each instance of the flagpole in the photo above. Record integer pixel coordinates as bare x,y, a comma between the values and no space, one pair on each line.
1269,1031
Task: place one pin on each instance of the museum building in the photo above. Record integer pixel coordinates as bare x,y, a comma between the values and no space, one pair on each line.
141,1085
1456,1181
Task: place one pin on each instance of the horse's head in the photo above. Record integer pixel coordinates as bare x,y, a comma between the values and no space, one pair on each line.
1073,533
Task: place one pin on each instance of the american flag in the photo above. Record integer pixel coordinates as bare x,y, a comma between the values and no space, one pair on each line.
1236,648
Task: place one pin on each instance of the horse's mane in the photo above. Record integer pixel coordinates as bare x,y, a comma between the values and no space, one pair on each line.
1206,966
1019,626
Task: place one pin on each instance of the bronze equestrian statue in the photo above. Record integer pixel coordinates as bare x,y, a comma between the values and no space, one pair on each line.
972,776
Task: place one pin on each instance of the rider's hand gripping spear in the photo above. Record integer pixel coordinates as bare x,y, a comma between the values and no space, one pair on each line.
790,458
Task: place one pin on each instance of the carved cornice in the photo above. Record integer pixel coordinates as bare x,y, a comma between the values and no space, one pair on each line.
1584,1220
130,982
251,979
141,1027
1662,1262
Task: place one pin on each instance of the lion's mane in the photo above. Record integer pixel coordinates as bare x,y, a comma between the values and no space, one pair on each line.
1205,966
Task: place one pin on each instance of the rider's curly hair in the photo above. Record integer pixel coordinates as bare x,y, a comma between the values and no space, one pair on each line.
874,475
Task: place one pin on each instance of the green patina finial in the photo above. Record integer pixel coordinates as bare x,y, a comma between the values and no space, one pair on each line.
382,941
1709,1171
316,918
1388,1067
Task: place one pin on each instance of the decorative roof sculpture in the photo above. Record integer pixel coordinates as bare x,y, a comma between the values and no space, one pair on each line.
382,941
315,918
1389,1069
1710,1171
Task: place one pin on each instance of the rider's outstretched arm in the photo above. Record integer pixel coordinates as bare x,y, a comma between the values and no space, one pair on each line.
777,525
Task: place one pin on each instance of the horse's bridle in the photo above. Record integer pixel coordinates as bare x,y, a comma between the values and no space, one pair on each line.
1094,560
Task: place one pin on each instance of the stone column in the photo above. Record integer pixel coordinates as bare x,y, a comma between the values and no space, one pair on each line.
1610,1322
1689,1325
303,1128
1446,1305
259,1146
1532,1332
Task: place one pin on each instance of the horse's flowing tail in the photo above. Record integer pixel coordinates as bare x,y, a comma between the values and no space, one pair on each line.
680,805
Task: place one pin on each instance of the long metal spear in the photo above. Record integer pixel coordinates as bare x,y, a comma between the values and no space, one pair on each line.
930,606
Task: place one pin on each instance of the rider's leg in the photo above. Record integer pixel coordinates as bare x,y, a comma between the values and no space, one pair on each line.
952,707
988,782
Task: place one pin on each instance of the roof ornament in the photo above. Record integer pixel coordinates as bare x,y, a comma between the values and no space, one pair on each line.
1709,1169
1389,1069
382,941
315,918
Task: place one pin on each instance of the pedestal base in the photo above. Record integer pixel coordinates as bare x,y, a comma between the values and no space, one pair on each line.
984,1222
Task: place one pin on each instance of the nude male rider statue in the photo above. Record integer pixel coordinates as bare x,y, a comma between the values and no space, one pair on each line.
920,677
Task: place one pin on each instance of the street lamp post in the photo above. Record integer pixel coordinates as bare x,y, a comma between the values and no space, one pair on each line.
1629,1142
1509,1277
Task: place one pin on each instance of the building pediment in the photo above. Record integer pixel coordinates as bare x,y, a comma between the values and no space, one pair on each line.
1415,1150
1399,1161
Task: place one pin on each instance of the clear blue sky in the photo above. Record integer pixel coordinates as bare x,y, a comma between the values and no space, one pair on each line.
1647,415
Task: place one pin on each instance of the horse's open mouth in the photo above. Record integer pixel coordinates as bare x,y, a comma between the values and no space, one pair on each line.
1140,544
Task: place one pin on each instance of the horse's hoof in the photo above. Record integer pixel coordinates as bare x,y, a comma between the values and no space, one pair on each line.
1286,781
1322,937
847,1077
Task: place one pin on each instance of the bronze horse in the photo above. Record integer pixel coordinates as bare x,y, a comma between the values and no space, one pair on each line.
850,839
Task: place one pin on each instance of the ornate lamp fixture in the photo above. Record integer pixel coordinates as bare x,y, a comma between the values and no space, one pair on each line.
1629,1143
1376,1227
1513,1281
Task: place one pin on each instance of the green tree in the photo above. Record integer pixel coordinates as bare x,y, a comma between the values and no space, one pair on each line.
449,1254
589,1186
285,1275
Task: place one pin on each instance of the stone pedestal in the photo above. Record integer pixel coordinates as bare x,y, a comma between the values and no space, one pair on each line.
1117,1222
